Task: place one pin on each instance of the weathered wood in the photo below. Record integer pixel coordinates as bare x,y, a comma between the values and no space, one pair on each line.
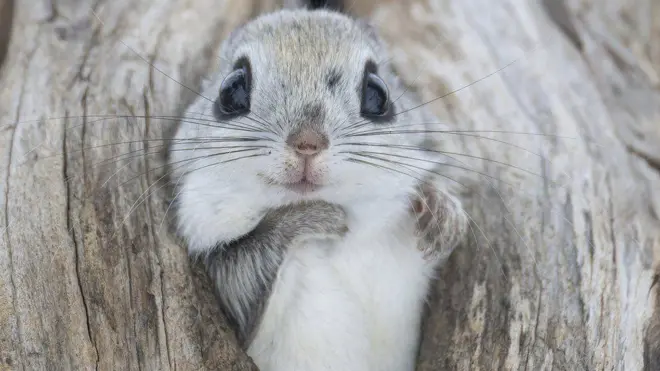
6,12
557,275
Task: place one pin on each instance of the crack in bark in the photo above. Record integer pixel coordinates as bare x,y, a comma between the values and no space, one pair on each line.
147,113
147,122
128,260
69,221
7,222
7,225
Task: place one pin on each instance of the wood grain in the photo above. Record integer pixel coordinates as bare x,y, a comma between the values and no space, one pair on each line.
557,108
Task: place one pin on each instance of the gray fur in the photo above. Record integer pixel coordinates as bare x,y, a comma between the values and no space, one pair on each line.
244,270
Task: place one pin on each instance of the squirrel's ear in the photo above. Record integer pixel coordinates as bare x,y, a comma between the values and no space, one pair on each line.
336,5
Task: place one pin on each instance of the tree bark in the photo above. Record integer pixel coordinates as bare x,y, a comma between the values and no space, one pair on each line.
557,110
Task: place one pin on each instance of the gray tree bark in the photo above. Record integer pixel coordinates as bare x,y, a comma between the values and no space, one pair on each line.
557,110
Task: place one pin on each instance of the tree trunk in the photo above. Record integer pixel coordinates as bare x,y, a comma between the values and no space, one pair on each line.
560,157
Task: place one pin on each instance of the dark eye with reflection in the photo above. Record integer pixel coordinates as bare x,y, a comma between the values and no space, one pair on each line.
376,103
234,97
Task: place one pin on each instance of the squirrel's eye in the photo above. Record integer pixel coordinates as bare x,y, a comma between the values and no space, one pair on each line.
375,97
234,98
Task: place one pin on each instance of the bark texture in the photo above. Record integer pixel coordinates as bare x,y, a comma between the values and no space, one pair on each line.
557,104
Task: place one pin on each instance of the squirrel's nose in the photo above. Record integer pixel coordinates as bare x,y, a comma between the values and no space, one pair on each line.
307,142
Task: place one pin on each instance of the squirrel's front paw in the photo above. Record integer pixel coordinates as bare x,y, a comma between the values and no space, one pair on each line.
323,219
312,220
440,221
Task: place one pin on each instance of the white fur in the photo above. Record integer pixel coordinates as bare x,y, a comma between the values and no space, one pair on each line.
353,306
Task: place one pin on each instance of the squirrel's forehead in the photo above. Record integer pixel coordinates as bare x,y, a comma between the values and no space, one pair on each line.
309,38
292,58
312,48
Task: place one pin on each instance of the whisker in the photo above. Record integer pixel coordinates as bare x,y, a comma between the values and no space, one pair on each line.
445,153
381,131
211,119
464,134
263,125
359,161
370,154
105,162
120,156
225,124
185,161
175,140
340,125
227,161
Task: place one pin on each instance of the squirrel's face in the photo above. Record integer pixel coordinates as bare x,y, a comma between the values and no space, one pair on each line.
307,107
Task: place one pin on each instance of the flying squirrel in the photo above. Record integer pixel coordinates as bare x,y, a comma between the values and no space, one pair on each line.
317,211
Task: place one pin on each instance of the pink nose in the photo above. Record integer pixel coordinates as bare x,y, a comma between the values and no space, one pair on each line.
307,142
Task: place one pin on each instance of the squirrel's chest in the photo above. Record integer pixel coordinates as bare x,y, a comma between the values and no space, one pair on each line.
361,297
